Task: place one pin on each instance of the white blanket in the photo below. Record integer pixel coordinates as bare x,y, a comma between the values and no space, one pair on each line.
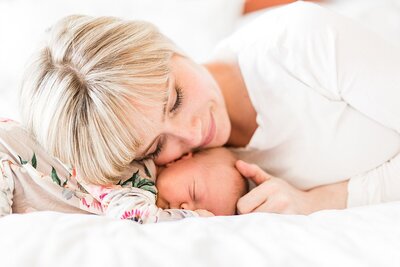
366,236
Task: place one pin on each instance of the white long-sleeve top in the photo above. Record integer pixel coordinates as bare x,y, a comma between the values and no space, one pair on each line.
327,96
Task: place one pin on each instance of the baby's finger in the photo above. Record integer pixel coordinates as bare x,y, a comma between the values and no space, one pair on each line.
252,172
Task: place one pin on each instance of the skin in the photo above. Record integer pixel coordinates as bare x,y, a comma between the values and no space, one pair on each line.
275,195
216,92
207,181
254,5
184,130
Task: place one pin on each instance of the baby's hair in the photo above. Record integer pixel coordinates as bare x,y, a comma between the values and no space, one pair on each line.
241,185
84,94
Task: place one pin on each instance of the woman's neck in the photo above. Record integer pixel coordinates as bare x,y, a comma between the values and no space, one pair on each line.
240,109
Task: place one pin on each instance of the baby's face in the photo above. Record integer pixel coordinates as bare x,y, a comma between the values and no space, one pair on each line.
207,180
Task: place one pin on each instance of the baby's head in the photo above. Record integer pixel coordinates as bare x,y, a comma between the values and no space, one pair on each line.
205,180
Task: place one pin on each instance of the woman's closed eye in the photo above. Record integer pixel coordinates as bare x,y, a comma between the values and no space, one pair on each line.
178,99
156,152
192,191
174,109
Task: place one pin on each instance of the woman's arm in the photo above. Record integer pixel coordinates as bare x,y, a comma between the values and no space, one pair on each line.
273,194
361,69
331,196
380,184
346,63
254,5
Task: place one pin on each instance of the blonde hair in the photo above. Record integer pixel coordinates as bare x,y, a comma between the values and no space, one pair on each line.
84,94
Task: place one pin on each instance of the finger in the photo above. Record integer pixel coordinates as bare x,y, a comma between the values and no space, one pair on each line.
275,204
204,213
253,199
252,172
269,206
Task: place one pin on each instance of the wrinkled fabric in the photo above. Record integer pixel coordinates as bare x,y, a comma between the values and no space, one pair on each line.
31,180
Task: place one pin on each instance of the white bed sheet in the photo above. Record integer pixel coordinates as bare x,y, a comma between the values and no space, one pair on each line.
365,236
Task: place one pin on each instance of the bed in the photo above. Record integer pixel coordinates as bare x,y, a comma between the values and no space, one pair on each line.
364,236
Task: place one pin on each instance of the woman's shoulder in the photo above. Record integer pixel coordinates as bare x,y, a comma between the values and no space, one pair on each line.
273,26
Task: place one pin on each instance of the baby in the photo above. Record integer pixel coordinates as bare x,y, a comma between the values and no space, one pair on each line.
206,180
32,180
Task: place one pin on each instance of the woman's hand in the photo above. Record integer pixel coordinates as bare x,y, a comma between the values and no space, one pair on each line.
204,213
272,194
275,195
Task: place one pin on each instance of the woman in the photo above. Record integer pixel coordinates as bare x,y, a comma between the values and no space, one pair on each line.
302,92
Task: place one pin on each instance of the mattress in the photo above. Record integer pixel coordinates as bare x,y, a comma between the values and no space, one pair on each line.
364,236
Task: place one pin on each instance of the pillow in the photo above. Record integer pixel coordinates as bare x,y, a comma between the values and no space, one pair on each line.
195,25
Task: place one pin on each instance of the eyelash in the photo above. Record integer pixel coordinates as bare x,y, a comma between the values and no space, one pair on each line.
177,104
157,152
194,191
179,98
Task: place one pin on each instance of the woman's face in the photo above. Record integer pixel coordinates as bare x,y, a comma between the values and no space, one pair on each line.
195,116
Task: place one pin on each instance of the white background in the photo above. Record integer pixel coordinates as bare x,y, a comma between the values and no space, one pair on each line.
195,25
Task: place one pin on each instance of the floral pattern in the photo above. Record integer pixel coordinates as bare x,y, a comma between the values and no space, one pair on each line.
135,215
21,158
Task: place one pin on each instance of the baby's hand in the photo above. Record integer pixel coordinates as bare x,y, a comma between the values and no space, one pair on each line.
204,213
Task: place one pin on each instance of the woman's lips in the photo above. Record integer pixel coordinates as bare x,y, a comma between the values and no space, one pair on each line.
210,133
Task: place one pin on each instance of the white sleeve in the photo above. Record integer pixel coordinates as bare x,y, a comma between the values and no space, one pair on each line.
332,54
342,61
369,81
367,75
381,184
